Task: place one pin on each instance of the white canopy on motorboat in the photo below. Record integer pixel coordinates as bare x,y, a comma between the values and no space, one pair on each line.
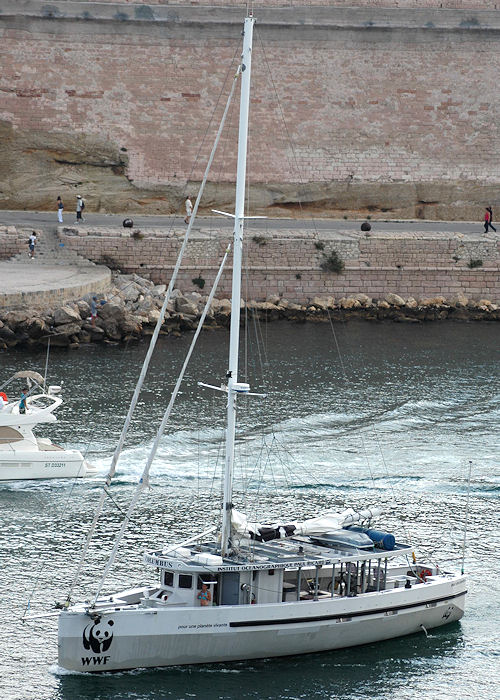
320,525
29,374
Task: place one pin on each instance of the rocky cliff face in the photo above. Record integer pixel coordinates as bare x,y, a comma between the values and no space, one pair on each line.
37,166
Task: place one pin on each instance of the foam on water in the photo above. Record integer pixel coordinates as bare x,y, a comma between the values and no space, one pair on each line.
420,402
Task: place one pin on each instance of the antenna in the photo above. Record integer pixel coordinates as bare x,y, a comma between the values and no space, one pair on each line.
46,365
466,517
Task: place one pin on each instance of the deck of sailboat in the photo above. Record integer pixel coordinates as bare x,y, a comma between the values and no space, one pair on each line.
296,552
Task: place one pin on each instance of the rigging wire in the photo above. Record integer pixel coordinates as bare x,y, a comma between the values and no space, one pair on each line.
298,170
374,433
152,344
144,479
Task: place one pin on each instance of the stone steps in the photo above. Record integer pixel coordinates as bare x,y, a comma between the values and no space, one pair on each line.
50,251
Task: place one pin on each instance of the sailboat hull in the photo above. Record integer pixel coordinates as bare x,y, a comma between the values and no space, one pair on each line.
165,636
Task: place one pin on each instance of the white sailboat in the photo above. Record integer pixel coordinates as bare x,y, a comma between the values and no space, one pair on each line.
22,454
256,590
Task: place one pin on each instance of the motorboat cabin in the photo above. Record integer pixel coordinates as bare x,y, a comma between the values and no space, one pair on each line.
23,455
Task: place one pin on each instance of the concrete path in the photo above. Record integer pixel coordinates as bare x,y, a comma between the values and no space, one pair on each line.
44,219
39,285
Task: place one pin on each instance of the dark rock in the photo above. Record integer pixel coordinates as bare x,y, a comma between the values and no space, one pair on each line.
16,319
111,312
111,329
36,327
84,337
130,325
84,309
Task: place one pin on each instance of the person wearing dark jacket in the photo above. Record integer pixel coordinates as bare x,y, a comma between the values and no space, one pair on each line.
488,218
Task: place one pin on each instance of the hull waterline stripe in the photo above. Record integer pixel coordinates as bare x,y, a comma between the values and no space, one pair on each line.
320,618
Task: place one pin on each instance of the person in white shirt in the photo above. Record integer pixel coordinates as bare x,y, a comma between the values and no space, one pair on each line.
189,210
60,209
80,205
32,243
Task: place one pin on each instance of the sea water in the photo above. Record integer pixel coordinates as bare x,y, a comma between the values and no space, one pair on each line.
356,414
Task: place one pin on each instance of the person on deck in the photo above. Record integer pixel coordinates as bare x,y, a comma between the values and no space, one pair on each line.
22,403
204,596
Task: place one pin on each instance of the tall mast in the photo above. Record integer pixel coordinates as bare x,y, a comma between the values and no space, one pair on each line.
239,215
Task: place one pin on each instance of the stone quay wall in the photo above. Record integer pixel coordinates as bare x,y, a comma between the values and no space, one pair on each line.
390,106
13,240
288,264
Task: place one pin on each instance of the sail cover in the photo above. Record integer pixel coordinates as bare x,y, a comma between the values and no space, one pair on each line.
29,374
320,525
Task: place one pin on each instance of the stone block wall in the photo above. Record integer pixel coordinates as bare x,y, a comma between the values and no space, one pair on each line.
289,264
13,241
389,107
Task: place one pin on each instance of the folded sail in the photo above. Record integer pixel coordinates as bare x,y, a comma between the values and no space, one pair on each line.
320,525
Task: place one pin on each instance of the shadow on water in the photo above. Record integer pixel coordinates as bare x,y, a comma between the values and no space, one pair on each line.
382,670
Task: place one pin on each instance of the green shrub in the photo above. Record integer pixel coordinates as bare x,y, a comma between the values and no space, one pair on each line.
199,281
319,245
332,262
474,263
260,240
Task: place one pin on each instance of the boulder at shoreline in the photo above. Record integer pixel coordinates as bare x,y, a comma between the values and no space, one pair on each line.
131,309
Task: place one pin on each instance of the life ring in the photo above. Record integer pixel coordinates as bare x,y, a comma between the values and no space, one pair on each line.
4,396
424,573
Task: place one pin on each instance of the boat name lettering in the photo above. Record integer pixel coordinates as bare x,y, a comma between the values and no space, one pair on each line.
58,465
286,565
206,625
95,660
176,564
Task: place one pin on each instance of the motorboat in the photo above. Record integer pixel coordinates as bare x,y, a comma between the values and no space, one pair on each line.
23,455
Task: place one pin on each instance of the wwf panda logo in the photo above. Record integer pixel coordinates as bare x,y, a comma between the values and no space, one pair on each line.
98,636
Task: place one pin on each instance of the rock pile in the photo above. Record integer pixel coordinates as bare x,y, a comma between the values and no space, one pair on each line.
131,309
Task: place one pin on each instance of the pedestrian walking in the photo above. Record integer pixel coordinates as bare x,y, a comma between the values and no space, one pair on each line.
189,210
80,206
60,209
488,218
32,243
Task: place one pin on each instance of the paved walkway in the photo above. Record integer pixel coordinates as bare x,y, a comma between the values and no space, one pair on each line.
49,219
39,285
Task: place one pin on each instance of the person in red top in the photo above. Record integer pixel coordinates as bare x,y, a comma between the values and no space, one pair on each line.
488,218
